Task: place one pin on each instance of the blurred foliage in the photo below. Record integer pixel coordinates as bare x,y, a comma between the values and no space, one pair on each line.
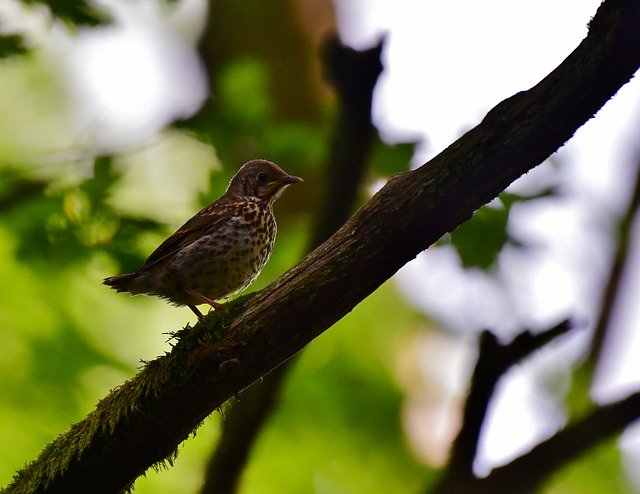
479,240
11,45
67,224
67,340
74,12
389,159
598,471
242,123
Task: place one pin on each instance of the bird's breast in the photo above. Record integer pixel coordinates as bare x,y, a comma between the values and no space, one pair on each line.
228,259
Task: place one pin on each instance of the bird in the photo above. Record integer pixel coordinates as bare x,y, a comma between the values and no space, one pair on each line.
221,250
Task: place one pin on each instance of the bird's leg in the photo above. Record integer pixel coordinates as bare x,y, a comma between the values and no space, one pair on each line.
203,299
196,311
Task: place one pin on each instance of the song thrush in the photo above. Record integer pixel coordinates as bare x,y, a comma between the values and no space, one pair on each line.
219,251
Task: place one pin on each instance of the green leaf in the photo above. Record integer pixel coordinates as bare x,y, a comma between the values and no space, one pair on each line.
104,178
599,470
480,240
295,143
244,93
388,159
68,224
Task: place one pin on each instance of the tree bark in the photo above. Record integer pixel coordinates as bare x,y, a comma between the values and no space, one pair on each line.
143,421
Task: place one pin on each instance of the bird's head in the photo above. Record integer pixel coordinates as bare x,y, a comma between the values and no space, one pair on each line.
261,179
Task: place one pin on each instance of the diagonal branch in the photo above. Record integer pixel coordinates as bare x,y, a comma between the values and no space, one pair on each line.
144,420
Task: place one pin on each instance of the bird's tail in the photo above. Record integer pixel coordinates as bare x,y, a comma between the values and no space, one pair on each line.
120,283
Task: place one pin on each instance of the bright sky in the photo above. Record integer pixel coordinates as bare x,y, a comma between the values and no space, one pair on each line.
139,73
448,64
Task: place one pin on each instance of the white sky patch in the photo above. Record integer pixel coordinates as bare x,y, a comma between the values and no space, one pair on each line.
447,64
133,77
450,62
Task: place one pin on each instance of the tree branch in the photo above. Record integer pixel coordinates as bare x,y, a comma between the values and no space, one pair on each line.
143,421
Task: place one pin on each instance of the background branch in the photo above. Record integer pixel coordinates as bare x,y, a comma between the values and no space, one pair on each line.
529,472
143,421
614,280
494,360
353,75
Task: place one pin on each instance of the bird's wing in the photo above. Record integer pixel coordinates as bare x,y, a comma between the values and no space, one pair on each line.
205,222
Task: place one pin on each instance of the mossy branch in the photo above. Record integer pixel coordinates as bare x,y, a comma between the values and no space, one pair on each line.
142,422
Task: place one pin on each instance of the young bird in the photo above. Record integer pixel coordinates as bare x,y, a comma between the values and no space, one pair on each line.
219,251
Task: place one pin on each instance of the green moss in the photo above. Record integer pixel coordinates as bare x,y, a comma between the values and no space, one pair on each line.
123,402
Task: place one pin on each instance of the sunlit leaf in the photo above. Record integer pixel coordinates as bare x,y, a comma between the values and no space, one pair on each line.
66,225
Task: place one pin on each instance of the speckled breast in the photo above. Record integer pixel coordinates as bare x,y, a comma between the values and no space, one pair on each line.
228,260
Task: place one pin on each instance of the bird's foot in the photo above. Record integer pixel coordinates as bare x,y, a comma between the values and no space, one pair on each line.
196,311
204,300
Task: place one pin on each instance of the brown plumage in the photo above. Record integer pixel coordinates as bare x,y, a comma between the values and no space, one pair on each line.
221,249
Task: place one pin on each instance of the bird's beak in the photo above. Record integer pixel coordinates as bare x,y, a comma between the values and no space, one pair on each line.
290,179
278,185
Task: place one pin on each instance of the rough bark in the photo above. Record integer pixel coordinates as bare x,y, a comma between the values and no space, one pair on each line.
143,421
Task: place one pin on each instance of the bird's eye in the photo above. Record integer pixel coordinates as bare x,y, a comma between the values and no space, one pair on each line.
263,178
